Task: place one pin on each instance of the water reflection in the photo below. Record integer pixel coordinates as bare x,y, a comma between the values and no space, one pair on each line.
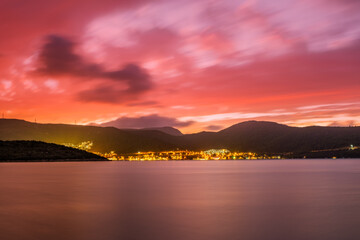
299,199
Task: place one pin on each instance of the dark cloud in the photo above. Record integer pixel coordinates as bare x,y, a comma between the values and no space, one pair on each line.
137,78
106,94
149,121
213,127
144,103
57,57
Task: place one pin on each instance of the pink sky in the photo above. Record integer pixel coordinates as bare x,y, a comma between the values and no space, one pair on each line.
194,65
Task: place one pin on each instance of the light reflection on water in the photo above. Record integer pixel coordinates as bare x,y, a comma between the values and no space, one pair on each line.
277,199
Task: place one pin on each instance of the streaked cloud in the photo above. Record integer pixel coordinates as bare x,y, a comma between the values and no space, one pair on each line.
230,116
331,105
149,121
189,60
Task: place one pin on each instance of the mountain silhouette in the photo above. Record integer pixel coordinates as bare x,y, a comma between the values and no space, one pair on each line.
254,136
40,151
105,139
169,130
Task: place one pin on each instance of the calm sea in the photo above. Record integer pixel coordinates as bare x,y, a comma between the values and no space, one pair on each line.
195,200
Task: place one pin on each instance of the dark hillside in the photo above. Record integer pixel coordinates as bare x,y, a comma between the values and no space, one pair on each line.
254,136
40,151
105,139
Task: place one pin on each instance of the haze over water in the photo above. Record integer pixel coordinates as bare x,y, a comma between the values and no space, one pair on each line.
277,199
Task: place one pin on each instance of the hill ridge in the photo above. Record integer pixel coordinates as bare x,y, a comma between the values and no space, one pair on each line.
255,136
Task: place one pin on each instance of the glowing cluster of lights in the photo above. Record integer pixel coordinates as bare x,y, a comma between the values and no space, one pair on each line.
213,154
86,146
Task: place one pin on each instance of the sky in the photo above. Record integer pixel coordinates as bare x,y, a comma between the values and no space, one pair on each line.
191,64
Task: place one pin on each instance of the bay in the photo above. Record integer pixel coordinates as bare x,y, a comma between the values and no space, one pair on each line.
269,199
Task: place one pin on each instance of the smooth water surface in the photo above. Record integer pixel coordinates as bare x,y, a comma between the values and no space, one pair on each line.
200,200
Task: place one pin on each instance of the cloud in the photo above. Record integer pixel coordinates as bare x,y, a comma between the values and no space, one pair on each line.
345,2
233,115
213,127
339,119
330,106
149,121
31,19
143,103
105,94
300,77
216,57
57,57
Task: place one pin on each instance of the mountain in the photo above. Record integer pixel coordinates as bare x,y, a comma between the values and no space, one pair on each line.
272,137
168,130
41,151
255,136
105,139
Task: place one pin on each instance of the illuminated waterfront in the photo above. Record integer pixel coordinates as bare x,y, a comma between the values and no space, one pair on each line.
212,154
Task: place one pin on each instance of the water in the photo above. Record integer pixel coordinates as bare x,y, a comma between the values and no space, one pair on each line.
257,200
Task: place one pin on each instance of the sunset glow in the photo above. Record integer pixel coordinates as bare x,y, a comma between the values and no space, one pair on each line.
193,65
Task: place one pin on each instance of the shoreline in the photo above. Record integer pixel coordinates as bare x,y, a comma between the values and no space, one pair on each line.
185,160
